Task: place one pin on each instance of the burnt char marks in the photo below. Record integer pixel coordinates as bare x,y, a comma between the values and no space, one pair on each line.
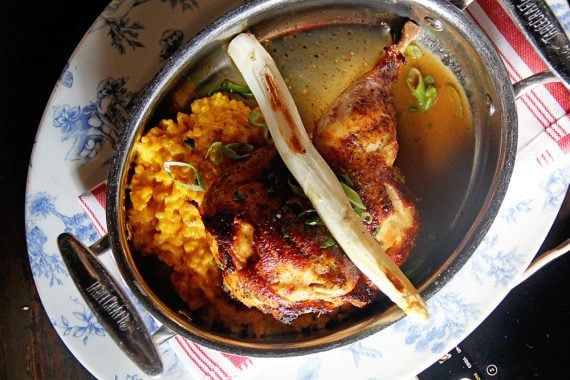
276,102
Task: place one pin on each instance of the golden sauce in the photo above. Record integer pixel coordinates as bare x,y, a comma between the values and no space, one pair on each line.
440,138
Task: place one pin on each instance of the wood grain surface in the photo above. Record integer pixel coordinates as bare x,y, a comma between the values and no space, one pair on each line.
37,39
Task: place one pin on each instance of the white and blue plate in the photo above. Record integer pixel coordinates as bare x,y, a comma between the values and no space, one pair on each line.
118,55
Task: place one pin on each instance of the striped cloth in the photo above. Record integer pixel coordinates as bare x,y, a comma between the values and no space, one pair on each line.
544,133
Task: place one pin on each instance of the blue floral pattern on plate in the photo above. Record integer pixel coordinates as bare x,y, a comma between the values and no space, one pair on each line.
100,121
85,115
359,352
83,325
41,206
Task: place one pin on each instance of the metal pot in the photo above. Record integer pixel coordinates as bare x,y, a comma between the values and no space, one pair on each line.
454,224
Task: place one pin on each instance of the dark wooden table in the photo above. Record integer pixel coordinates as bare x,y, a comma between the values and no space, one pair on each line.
37,39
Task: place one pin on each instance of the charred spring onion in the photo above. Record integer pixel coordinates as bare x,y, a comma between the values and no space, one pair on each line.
316,178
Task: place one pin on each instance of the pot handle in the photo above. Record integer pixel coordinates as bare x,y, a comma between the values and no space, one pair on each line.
109,303
541,28
523,86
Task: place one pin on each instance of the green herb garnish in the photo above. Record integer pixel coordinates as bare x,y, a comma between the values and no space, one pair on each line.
198,184
297,190
256,119
233,151
311,217
357,204
413,51
231,87
376,231
330,242
271,182
190,143
240,196
353,196
422,88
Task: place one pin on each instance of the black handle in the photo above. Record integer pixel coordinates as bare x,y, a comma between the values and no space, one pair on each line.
536,20
110,305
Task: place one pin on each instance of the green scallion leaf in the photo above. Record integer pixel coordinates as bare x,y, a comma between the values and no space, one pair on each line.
231,87
413,51
422,88
296,188
215,149
240,196
270,182
330,242
190,143
233,151
353,196
256,119
429,81
311,217
198,184
347,180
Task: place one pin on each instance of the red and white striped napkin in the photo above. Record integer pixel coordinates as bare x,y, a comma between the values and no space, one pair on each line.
544,142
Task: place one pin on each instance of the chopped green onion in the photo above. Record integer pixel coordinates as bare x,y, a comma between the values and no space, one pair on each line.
353,196
312,218
347,180
297,190
190,143
430,98
455,101
355,200
413,51
215,148
270,182
198,184
256,119
234,88
330,242
229,150
422,88
240,196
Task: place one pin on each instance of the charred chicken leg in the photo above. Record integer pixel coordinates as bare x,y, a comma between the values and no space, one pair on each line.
357,138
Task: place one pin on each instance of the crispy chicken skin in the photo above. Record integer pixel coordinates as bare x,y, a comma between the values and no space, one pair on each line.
273,253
